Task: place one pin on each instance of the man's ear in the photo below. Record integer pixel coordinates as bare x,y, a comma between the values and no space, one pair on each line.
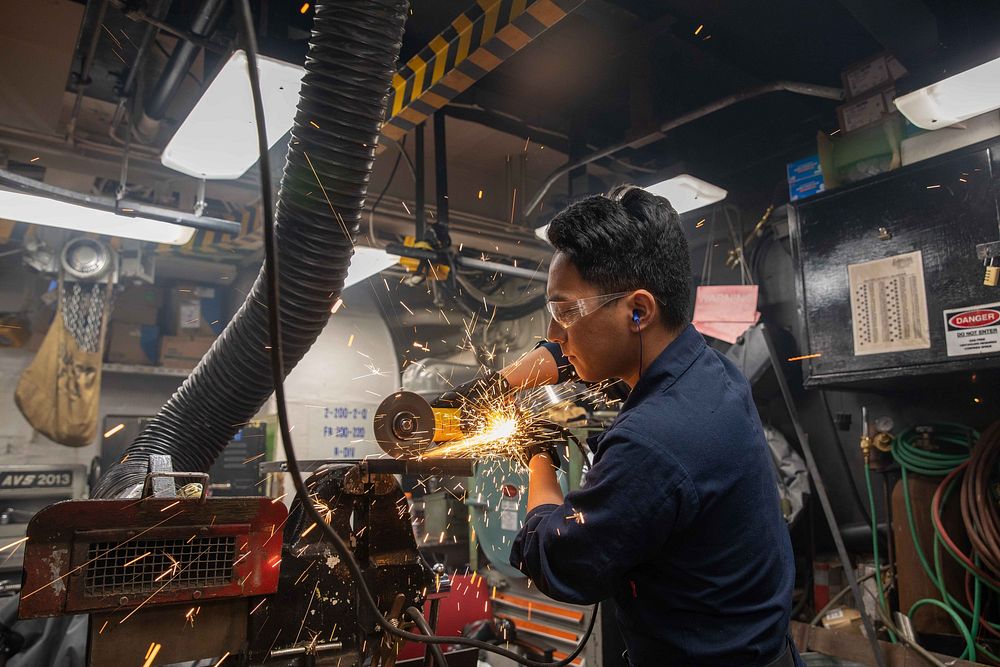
642,309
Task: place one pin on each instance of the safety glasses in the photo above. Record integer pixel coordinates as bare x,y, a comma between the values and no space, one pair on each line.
568,313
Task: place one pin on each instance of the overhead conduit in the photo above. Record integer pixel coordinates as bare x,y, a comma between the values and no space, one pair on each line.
351,60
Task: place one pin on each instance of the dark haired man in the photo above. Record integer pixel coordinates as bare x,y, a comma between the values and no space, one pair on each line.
678,521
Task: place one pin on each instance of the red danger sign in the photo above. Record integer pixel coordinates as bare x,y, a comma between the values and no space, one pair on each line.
973,319
972,329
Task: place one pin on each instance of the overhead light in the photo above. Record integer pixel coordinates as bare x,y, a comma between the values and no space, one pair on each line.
218,139
957,98
22,207
366,262
685,193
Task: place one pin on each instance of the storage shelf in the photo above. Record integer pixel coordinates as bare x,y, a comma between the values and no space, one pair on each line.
138,369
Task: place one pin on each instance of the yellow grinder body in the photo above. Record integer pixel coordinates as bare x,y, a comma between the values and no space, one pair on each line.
406,425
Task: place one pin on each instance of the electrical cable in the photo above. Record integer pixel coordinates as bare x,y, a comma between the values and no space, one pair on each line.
402,153
271,264
378,200
425,628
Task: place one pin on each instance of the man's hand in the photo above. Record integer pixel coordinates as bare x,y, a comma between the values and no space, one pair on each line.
543,437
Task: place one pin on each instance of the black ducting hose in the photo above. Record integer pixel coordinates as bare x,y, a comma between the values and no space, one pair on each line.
351,60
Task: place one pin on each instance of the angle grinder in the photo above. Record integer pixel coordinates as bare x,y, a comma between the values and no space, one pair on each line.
406,426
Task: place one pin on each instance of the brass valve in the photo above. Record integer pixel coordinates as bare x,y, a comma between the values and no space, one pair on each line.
882,441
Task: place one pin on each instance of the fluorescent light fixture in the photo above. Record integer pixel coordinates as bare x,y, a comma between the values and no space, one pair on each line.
685,193
218,139
960,97
366,263
33,209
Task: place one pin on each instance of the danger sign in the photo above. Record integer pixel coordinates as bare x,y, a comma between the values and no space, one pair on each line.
972,330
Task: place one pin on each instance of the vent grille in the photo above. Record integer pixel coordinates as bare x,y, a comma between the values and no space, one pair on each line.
147,566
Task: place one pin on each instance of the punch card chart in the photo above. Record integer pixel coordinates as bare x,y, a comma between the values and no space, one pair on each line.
889,305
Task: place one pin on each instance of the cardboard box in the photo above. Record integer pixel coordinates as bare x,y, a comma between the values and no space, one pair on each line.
133,344
866,111
842,619
805,178
806,188
867,75
138,305
194,311
804,169
184,351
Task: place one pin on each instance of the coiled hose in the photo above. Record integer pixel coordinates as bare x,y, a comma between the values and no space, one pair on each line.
914,458
351,59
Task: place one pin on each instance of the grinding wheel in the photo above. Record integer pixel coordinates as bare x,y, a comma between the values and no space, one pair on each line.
404,425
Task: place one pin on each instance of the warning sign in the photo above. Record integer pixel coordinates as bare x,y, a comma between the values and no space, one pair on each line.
973,330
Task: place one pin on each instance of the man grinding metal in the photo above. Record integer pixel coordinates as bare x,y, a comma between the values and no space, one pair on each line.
678,521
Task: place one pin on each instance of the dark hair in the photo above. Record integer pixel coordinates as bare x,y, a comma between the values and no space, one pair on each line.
629,240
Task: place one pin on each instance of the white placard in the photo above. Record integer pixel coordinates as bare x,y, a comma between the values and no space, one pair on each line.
508,515
973,329
889,305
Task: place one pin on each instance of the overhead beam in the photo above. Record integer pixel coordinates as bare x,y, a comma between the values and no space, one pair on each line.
476,43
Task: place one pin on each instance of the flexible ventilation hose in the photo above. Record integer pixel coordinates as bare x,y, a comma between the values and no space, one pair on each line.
351,61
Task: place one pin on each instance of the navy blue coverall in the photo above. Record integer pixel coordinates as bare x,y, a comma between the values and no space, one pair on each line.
678,521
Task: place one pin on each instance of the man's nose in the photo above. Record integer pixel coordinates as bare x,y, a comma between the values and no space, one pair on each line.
556,333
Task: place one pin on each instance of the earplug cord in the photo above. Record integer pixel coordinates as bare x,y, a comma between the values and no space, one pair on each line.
638,330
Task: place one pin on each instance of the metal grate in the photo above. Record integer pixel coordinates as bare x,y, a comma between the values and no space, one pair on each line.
146,566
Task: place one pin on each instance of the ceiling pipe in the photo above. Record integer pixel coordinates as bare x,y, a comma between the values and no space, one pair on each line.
122,207
181,60
160,9
807,89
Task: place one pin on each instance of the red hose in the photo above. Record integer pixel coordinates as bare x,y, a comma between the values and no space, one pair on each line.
939,524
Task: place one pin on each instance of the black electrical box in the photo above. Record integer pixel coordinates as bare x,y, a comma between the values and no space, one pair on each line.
888,281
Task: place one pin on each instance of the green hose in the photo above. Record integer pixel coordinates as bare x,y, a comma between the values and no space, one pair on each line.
912,458
878,566
970,645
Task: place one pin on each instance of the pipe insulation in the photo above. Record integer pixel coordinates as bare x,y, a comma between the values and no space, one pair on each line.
351,60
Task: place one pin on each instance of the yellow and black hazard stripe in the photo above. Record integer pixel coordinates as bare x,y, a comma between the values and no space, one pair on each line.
475,43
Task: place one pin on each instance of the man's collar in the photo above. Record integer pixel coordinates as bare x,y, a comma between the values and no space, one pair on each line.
676,358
